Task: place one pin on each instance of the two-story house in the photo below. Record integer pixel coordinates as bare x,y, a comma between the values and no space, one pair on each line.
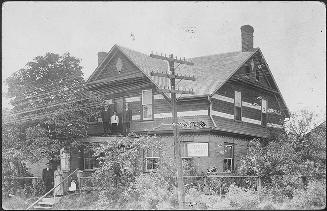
235,99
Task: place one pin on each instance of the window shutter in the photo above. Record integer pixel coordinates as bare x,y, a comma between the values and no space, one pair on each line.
264,106
238,99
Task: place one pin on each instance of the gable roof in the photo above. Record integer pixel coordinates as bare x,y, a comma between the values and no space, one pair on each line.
210,72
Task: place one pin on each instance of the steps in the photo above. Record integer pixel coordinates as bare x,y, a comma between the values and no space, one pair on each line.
46,203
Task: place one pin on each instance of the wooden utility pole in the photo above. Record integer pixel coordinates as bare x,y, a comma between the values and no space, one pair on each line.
172,76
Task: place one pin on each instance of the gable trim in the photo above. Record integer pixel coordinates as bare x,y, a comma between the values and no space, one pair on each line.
143,72
97,69
273,78
236,69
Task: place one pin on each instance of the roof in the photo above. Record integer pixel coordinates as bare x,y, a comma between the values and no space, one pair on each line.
210,72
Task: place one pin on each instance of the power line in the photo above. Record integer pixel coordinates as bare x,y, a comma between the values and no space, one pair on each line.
172,76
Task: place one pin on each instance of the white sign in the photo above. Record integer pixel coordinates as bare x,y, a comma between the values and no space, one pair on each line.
197,150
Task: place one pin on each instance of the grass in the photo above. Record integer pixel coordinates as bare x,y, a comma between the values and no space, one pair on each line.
17,203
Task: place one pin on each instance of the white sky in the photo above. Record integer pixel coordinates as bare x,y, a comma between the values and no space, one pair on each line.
291,35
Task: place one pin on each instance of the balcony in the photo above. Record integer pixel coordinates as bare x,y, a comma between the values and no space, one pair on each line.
97,129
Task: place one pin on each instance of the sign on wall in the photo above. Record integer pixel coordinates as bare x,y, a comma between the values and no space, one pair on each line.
197,149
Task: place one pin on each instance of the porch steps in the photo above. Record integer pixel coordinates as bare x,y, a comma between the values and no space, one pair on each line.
46,203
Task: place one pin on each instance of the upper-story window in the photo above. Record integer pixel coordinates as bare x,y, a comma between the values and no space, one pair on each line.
257,75
238,106
264,112
147,105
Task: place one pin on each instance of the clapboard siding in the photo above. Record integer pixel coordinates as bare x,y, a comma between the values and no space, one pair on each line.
223,106
250,95
274,118
110,69
251,113
229,125
162,106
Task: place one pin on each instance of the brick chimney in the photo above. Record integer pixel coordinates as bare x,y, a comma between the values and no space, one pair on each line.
247,37
101,56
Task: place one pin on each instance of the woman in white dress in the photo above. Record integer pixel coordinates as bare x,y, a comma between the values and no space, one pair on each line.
59,191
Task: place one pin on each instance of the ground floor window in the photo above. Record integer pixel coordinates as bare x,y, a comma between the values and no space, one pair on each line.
228,157
151,159
90,161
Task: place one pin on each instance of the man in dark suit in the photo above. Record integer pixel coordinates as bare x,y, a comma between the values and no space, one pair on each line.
47,177
127,118
106,114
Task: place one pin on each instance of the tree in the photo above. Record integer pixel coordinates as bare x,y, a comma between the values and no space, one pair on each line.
50,105
281,161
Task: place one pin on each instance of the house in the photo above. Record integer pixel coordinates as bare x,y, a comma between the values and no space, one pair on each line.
236,98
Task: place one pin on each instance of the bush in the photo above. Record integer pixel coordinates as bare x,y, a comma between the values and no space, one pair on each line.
313,197
242,198
72,202
150,191
14,203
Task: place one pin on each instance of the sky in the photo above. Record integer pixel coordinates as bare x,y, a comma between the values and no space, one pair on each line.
291,36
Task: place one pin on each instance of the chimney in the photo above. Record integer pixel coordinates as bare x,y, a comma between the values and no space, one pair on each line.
247,37
101,56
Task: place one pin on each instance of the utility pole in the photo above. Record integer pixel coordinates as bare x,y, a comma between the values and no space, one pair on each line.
172,76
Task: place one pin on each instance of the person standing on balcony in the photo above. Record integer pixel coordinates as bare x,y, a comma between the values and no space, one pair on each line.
59,190
127,118
114,123
47,177
106,119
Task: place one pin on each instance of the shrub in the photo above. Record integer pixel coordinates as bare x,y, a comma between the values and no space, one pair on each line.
72,202
14,203
150,191
313,197
242,198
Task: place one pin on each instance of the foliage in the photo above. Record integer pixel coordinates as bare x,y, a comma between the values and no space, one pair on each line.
313,197
78,202
49,100
150,191
284,160
242,198
14,203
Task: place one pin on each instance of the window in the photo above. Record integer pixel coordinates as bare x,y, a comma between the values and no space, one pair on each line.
247,70
186,161
238,106
90,161
264,112
228,158
151,160
257,75
147,104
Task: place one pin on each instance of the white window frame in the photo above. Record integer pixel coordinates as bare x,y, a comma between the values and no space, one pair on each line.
151,105
146,157
231,159
264,111
235,93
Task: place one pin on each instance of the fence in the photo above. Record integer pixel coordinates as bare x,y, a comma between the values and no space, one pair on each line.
219,183
209,184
